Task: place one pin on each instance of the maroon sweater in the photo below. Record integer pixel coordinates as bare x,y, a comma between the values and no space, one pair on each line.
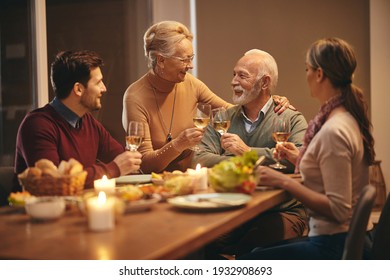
44,133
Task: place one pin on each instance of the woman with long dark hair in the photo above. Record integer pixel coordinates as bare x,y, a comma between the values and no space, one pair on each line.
334,160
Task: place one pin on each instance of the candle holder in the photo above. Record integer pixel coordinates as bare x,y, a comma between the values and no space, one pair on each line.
200,174
101,212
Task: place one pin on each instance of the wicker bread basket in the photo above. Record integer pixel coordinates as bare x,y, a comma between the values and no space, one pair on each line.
63,185
46,179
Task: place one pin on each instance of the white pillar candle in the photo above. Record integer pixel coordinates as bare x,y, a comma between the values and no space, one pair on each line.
104,185
101,212
201,177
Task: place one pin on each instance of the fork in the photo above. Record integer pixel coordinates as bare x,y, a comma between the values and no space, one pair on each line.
259,162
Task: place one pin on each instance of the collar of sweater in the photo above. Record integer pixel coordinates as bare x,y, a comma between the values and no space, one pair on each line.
160,84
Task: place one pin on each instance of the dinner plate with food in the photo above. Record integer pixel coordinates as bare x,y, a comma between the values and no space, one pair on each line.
151,189
210,201
128,198
176,182
161,178
135,199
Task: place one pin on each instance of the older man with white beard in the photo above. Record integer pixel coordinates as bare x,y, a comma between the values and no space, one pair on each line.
255,79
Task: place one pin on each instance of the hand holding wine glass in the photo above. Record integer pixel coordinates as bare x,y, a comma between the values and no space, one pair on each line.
202,115
280,133
288,151
220,120
134,135
201,118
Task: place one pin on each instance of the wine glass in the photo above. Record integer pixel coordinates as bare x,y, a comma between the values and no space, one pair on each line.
280,133
220,120
201,118
134,135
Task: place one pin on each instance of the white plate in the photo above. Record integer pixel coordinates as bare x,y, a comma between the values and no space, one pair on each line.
142,204
134,179
210,201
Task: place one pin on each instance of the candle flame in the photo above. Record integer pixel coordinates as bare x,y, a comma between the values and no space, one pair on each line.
102,197
104,178
198,167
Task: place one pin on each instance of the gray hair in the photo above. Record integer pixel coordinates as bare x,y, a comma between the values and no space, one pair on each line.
267,66
162,37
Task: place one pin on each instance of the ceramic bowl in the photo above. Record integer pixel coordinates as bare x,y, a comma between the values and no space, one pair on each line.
45,207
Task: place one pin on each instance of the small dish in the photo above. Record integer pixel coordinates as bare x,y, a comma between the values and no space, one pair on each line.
135,199
141,204
45,207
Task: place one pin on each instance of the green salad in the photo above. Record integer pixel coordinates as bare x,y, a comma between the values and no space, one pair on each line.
234,174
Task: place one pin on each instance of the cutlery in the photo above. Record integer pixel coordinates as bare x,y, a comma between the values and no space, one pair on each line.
259,162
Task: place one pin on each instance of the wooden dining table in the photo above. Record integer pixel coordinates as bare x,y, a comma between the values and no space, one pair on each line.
162,232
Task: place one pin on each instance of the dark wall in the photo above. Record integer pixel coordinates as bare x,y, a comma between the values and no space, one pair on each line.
109,27
285,29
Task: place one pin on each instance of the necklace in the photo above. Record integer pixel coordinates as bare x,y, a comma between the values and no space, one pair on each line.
169,135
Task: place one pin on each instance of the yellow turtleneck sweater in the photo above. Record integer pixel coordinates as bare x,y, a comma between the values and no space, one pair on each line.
154,109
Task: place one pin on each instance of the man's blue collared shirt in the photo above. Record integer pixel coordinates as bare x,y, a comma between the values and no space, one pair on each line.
71,117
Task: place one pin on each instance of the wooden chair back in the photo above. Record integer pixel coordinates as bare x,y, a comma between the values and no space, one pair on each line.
354,244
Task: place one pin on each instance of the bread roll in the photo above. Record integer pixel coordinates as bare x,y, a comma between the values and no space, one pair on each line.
45,163
64,167
50,172
75,166
32,172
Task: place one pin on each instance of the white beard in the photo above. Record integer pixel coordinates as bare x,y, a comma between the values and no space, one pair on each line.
246,96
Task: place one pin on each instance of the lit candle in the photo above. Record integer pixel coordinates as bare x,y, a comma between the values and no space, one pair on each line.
104,185
101,212
201,177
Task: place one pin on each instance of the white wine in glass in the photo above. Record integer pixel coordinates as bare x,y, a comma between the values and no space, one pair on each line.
201,118
280,133
220,120
200,122
134,136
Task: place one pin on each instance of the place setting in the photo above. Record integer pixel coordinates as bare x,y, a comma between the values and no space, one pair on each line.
192,199
228,185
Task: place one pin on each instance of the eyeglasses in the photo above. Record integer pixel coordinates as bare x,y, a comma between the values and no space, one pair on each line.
183,60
